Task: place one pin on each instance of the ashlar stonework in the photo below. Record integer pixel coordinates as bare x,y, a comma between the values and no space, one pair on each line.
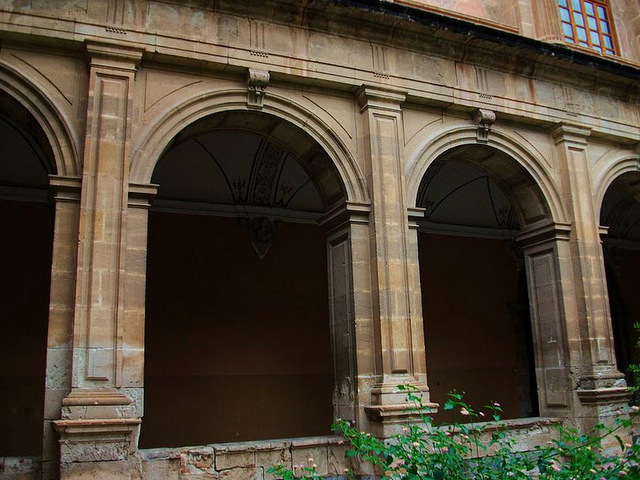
228,223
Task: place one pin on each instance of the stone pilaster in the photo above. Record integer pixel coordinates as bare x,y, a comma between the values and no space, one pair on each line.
66,194
350,307
134,280
548,26
399,342
597,381
99,407
545,249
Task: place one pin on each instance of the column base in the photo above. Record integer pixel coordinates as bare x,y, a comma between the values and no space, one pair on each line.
97,440
98,435
390,410
388,420
606,406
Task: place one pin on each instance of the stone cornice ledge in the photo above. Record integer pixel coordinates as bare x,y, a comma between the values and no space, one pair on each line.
113,424
95,397
397,412
604,395
347,213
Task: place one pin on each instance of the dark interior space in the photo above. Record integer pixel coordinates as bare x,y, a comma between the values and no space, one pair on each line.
25,244
474,332
26,216
477,324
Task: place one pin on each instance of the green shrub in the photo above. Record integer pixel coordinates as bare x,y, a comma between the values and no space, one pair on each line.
482,450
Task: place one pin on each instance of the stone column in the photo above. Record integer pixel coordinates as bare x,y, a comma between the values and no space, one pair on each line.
100,420
600,387
399,342
66,194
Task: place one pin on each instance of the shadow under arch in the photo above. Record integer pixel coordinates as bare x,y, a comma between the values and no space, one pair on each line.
60,139
295,118
283,135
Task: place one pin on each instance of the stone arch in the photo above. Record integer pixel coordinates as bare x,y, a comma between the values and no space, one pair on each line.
617,204
50,118
616,166
157,137
302,237
533,183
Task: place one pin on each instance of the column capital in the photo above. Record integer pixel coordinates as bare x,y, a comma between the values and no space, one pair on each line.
380,98
346,214
141,194
542,233
114,57
570,133
65,189
415,214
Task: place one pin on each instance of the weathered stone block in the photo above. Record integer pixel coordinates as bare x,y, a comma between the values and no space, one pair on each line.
161,469
242,473
118,470
234,456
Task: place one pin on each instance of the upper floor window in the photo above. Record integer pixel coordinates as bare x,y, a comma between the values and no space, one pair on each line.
587,23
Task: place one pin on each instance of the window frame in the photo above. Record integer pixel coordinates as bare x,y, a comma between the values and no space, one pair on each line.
590,13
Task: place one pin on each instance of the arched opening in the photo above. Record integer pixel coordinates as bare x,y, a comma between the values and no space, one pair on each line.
478,335
620,213
26,216
237,332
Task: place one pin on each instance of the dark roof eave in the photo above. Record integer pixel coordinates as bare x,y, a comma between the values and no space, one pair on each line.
468,28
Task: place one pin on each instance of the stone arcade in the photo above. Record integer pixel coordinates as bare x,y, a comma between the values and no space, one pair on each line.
225,223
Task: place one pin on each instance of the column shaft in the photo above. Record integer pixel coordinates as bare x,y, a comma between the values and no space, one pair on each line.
395,282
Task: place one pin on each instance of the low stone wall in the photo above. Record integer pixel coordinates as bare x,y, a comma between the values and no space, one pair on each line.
246,460
251,460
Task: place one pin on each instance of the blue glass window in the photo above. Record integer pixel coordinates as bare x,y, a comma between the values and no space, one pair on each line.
586,23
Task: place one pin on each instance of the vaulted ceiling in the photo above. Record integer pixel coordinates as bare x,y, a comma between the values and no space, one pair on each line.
247,164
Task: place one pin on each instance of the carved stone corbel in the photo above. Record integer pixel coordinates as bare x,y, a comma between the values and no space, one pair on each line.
262,231
257,83
484,119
